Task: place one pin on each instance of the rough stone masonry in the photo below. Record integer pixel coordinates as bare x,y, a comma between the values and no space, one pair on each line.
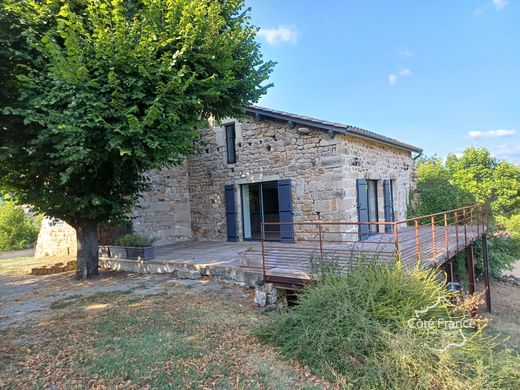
187,202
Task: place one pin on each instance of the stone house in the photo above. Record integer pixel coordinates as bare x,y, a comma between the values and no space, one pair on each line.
274,166
271,166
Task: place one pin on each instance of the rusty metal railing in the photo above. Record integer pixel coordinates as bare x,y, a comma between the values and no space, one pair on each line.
423,241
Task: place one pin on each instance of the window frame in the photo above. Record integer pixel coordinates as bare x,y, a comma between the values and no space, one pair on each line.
231,151
373,228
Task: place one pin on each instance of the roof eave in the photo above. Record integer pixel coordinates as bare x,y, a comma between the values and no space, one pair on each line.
330,127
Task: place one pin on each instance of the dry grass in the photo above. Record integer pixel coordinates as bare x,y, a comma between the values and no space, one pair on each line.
23,265
505,317
137,331
151,335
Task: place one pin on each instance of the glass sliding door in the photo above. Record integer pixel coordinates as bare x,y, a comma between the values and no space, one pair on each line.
251,211
260,204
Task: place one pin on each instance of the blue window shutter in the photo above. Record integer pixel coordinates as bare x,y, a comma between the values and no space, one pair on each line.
285,210
231,213
362,205
389,204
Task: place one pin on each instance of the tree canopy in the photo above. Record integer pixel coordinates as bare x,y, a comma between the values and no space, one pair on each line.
102,91
473,177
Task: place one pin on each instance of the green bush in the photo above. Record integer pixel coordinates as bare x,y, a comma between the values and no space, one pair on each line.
17,229
502,254
354,330
134,240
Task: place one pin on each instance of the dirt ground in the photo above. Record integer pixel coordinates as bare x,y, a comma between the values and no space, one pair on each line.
133,331
25,297
505,316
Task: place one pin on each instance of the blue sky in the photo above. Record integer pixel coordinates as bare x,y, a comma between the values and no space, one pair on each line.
442,75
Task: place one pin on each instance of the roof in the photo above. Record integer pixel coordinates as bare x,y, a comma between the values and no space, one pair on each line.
330,126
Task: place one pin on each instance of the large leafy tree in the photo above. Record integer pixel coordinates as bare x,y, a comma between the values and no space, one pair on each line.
487,180
102,91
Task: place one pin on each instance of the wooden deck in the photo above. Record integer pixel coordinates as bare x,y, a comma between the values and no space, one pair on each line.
427,241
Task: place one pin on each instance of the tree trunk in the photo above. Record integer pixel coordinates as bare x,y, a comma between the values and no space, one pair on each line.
88,247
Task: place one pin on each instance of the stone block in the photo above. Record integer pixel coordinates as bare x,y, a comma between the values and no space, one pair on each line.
260,298
184,273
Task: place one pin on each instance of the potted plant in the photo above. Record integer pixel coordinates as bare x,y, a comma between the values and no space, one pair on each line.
133,246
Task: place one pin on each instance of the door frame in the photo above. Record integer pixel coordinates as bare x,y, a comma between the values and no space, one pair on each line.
261,200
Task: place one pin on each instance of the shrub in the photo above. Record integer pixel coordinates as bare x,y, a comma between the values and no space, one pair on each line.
133,240
511,225
354,330
17,229
502,254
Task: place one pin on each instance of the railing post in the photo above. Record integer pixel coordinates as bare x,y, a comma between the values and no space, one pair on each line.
417,244
446,236
457,229
396,243
465,231
434,243
471,223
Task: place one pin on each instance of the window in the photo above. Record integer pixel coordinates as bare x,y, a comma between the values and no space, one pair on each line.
230,144
372,205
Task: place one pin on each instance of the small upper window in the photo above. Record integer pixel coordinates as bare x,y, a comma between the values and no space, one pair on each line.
230,144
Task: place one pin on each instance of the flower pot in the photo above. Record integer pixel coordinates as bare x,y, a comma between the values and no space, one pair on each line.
132,252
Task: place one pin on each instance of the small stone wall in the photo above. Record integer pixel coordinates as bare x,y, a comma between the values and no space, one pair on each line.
56,238
55,268
163,213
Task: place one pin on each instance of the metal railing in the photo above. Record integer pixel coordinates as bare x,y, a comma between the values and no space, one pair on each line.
423,241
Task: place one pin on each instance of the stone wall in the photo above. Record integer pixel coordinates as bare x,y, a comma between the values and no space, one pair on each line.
56,238
323,170
187,202
163,213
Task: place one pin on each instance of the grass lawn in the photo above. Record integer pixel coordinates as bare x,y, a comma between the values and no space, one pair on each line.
160,333
149,331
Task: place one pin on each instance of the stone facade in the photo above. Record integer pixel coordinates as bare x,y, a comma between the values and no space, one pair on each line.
163,213
187,202
323,170
56,238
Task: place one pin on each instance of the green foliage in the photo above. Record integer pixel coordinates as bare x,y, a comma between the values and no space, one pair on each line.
475,177
17,229
487,180
435,191
510,225
134,240
354,329
100,92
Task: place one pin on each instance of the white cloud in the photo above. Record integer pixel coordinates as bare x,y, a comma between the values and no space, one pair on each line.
491,133
279,35
406,53
500,4
507,152
392,77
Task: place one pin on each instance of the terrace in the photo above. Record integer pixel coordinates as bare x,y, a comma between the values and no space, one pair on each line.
430,241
